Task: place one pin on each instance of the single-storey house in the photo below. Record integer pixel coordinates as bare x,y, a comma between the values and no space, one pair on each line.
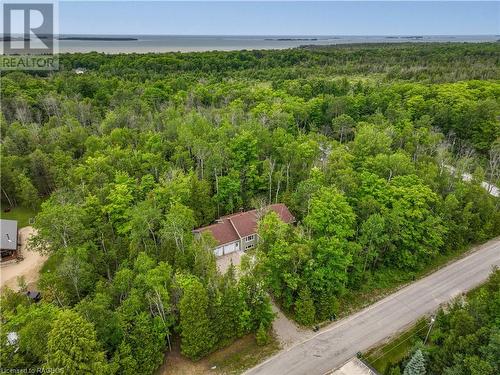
9,241
238,232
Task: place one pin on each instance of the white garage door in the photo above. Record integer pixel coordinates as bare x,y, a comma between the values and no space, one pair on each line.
219,251
231,247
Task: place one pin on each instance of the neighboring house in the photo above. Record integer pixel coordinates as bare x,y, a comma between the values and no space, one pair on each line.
8,232
238,232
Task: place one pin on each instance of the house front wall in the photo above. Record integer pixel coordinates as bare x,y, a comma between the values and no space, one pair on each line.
227,248
249,242
232,247
219,251
246,243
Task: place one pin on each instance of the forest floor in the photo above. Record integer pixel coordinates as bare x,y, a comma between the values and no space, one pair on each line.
233,359
29,267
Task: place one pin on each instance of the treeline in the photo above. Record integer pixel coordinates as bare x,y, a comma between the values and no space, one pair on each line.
436,62
123,324
369,211
465,338
81,115
125,160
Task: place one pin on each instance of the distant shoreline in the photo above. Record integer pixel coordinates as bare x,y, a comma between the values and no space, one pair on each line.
291,39
99,39
116,44
87,38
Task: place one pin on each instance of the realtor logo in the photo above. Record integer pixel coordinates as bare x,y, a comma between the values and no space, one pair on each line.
29,31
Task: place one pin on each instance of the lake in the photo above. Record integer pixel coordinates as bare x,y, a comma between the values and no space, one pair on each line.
178,43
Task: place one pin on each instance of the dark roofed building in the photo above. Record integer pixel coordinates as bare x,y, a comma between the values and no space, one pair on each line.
238,231
8,232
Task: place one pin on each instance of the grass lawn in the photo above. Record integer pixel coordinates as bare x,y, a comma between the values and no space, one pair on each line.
393,351
242,354
52,262
21,214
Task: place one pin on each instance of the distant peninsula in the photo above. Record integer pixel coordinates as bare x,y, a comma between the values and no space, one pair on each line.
290,39
97,38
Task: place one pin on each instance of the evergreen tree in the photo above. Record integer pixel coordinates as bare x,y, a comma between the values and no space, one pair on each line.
124,360
230,308
262,335
326,305
129,157
26,193
196,336
146,338
416,365
305,311
72,346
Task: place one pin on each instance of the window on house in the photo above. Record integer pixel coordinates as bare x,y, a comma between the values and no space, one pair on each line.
251,237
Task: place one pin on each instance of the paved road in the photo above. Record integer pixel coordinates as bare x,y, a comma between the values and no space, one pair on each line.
335,344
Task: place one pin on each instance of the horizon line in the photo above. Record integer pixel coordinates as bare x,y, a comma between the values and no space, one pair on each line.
277,35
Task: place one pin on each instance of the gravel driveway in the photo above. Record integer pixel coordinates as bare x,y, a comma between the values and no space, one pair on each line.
287,332
29,267
224,261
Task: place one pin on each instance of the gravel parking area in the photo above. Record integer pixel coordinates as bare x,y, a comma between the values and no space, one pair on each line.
224,261
29,267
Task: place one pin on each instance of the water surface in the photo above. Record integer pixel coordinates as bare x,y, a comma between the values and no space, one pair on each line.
178,43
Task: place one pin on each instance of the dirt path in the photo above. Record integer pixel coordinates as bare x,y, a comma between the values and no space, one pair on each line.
287,332
29,267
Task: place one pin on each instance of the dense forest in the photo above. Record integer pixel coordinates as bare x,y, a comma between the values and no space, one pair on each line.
465,338
365,144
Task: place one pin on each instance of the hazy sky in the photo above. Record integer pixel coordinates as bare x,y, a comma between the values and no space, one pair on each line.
280,17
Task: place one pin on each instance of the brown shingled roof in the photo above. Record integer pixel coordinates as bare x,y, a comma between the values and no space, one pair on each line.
231,228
